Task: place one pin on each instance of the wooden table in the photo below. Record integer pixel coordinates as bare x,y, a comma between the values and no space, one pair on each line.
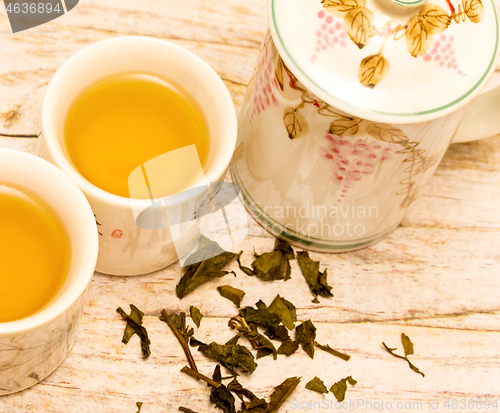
436,278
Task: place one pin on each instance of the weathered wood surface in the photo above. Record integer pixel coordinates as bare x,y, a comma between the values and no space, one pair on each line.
436,278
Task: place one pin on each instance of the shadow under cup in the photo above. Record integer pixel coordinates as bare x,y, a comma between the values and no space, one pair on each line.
33,347
124,247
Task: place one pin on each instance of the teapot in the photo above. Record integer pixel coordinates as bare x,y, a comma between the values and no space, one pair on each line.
351,108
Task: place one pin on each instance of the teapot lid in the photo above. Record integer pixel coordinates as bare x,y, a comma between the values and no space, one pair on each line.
399,61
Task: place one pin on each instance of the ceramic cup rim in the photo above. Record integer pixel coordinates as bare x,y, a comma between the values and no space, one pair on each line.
87,232
210,77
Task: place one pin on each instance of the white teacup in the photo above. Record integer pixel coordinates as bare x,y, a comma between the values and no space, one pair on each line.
33,347
125,248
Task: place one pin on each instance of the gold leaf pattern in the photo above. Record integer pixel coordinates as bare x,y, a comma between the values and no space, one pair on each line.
474,10
358,25
373,69
345,126
340,8
434,18
386,133
295,123
417,37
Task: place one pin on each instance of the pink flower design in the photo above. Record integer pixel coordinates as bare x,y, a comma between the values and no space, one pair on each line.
352,161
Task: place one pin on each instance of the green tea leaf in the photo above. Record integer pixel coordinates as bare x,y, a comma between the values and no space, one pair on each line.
317,385
230,356
231,293
305,335
234,340
200,270
285,310
271,266
139,406
316,280
253,404
281,393
278,333
332,351
265,347
288,347
179,321
195,315
134,326
339,388
260,316
186,410
408,349
407,344
193,342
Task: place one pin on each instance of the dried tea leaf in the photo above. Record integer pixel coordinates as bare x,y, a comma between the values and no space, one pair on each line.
288,347
265,347
281,393
418,39
285,310
339,388
372,70
408,349
230,356
134,326
260,316
474,10
186,410
317,385
271,266
407,344
196,315
253,404
434,18
317,281
278,333
139,407
333,352
179,321
295,123
305,335
340,8
232,294
223,399
358,25
202,270
193,342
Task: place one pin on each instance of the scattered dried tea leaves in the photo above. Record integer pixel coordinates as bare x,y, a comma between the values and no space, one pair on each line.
220,395
281,393
196,315
408,350
339,388
285,310
332,351
288,347
271,266
230,356
202,270
260,316
139,407
232,294
316,280
305,335
317,385
134,326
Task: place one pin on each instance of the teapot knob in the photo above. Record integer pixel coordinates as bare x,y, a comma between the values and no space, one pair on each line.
402,6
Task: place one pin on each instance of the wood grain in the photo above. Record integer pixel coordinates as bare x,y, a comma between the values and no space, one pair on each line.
436,278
